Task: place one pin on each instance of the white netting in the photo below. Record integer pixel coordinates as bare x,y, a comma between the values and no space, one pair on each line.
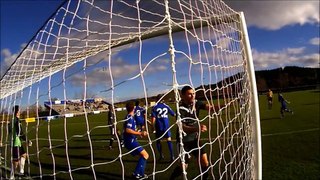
93,54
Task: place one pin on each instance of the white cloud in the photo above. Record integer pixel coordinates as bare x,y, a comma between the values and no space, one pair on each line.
315,41
121,70
286,57
295,50
8,59
274,15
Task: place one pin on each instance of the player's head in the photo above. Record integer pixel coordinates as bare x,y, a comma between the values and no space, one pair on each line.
16,110
129,107
137,103
110,108
187,94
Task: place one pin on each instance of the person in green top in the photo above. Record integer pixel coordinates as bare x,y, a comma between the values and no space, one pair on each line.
18,153
189,110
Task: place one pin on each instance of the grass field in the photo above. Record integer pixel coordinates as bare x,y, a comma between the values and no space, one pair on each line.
290,146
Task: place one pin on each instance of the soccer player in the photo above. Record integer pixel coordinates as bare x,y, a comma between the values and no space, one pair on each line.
113,129
283,107
131,143
269,98
189,111
18,153
139,114
160,118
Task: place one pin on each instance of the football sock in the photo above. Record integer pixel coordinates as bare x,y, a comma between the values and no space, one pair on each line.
22,162
140,166
159,147
170,149
176,172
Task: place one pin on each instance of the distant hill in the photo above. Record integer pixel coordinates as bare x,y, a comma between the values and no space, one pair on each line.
288,78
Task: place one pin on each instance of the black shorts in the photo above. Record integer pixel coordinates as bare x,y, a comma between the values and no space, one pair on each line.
192,148
112,130
17,152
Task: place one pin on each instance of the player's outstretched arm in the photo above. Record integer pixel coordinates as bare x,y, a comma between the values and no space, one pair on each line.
210,107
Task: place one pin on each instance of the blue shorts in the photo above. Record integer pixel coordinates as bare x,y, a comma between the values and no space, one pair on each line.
133,145
166,134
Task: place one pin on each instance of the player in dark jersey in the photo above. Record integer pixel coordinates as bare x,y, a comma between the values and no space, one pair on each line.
189,109
139,115
130,142
113,129
18,153
160,118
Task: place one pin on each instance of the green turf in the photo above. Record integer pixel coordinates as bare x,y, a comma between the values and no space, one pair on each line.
290,146
292,152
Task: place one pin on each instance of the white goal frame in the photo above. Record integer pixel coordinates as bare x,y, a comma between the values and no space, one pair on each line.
27,76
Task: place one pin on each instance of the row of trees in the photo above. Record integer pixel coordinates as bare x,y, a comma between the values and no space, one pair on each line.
287,78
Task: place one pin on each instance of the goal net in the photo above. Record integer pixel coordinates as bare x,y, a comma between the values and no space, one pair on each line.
91,55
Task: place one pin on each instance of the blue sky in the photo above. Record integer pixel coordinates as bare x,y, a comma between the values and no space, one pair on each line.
282,33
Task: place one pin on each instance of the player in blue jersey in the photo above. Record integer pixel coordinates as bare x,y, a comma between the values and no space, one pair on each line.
160,119
283,103
139,115
131,143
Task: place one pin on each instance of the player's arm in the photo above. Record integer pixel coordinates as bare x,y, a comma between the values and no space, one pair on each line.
153,121
131,131
153,124
171,111
191,129
20,133
210,107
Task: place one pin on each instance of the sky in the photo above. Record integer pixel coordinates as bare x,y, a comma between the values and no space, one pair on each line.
282,33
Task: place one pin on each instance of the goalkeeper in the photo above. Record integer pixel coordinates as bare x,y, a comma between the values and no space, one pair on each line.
189,110
131,143
18,153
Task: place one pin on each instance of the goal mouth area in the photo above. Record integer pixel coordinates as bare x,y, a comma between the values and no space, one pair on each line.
91,61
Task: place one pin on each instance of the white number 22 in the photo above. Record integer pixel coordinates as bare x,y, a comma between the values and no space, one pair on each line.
162,113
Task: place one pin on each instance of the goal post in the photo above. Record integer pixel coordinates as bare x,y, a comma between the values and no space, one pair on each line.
92,55
255,103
